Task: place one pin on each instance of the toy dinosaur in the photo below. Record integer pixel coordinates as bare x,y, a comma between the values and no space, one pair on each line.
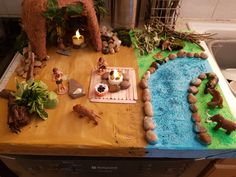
226,124
82,111
217,99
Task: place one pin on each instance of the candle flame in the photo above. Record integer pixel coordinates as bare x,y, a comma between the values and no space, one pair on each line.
116,74
77,34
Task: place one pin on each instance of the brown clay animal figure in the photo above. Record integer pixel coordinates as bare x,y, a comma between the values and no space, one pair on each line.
217,100
226,124
213,80
83,111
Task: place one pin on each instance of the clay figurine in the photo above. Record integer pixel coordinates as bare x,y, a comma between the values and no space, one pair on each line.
213,80
101,66
226,124
58,78
217,99
83,111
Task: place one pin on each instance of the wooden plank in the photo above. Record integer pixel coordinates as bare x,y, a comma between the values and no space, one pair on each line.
134,85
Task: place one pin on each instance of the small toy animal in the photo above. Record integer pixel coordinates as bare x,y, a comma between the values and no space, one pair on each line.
82,111
217,99
213,80
226,124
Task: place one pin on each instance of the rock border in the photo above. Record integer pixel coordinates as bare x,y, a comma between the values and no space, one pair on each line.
201,132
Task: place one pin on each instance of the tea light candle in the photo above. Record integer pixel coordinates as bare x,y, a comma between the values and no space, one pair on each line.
115,77
78,39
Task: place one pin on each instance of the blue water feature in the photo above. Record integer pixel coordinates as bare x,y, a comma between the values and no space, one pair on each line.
168,87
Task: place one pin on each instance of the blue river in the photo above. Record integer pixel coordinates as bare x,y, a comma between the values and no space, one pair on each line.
168,87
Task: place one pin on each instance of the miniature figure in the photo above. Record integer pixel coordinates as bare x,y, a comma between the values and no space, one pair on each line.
217,100
58,77
102,66
83,111
224,123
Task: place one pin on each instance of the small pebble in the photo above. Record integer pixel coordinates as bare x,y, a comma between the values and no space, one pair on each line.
148,109
198,128
191,98
203,55
172,56
181,54
105,76
152,70
190,54
147,75
197,55
193,90
151,137
148,123
104,44
154,65
111,50
105,50
143,83
117,49
196,117
124,85
38,63
146,95
126,77
105,82
114,88
202,76
196,82
166,59
193,108
204,138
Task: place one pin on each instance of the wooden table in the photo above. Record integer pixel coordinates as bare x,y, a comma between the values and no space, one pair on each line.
119,132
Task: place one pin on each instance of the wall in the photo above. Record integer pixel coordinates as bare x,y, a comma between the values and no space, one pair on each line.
196,9
203,9
208,9
10,8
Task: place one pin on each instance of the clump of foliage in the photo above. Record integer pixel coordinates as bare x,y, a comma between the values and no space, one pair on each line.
56,17
33,95
124,36
99,6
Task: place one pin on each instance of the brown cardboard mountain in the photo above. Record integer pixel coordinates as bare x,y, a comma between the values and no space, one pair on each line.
35,25
76,90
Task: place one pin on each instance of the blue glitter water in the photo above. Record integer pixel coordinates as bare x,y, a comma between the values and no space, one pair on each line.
168,87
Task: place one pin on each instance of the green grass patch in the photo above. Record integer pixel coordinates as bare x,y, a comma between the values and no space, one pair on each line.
220,140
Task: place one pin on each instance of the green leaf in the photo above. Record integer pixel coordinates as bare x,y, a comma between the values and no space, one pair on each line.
74,9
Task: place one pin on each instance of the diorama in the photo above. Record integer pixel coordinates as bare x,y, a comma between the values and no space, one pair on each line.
149,88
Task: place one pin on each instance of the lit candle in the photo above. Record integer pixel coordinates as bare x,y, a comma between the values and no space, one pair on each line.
78,39
115,77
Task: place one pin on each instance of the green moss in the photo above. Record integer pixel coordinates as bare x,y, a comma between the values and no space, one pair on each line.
220,140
